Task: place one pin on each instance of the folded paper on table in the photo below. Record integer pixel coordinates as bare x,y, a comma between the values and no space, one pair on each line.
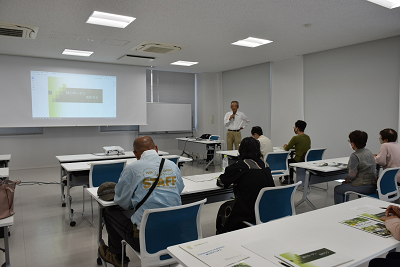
212,254
317,255
320,257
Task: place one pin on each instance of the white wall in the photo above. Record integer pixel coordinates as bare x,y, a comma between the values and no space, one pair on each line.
251,87
287,105
209,108
354,87
34,151
37,151
350,88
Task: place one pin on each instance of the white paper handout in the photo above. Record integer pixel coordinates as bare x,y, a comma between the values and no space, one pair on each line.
213,254
317,255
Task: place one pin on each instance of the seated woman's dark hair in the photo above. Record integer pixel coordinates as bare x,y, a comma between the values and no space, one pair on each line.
250,149
359,138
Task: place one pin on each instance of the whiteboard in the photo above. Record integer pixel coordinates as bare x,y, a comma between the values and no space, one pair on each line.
164,118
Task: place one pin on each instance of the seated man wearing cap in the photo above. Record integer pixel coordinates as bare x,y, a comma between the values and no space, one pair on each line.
133,185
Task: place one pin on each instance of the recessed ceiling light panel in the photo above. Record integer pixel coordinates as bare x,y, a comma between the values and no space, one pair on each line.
386,3
184,63
78,53
110,20
252,42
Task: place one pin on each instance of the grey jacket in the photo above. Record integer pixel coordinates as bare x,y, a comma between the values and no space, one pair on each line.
362,164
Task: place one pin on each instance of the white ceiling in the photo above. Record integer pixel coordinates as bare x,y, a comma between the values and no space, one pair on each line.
204,28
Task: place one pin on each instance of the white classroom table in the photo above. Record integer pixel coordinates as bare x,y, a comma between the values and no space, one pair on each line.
97,156
235,153
4,173
192,145
5,223
90,157
311,173
199,187
192,192
70,168
5,159
318,228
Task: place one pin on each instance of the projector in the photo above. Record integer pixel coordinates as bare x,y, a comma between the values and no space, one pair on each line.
113,150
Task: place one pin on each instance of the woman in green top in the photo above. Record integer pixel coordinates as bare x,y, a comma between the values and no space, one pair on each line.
301,144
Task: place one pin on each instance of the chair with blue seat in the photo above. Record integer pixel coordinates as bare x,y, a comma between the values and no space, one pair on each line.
174,159
101,172
314,154
213,147
387,189
278,163
180,224
273,203
214,137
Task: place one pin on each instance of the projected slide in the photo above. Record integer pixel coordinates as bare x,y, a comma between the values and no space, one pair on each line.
68,95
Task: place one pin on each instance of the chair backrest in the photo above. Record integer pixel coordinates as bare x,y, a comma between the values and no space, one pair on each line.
275,202
214,137
164,227
101,172
277,161
172,158
387,185
314,154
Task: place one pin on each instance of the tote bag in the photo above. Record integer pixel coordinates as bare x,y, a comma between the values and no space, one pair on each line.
7,190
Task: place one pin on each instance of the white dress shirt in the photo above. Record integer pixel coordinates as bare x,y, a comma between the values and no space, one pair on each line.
265,145
240,120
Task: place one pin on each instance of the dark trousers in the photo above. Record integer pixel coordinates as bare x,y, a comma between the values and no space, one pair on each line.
291,170
392,260
120,227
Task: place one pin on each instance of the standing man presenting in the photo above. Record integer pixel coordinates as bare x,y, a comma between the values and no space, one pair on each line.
234,122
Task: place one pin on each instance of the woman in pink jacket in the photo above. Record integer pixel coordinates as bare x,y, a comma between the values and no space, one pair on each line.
389,153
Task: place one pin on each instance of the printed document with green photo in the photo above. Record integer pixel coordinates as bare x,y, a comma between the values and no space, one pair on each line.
368,225
321,257
371,212
375,216
212,254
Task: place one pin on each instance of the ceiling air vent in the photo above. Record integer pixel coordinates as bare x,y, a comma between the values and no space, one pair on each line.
136,60
158,48
20,31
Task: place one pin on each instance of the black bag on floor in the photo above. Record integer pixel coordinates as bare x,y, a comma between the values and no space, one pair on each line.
223,214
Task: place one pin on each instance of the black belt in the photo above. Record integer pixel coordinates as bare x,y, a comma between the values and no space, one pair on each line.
234,130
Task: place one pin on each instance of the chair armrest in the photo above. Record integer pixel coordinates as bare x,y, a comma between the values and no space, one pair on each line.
247,223
352,192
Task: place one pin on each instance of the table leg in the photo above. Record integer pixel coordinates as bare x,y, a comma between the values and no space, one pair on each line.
183,146
72,223
62,187
185,153
100,240
212,160
305,192
6,247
